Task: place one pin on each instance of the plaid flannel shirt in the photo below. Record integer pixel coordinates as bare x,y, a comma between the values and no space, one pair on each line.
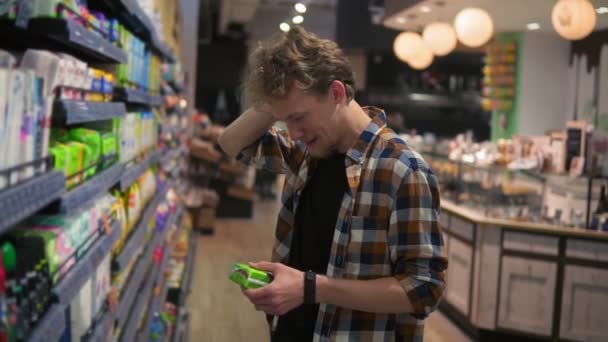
388,226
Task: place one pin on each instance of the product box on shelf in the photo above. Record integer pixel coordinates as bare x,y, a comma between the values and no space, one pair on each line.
81,311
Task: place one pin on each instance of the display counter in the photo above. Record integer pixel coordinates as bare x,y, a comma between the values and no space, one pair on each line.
513,279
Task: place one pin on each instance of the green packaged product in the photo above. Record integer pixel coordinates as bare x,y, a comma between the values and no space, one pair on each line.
249,277
92,139
61,157
109,150
59,135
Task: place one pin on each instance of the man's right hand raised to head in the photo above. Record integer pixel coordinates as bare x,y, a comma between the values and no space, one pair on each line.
245,130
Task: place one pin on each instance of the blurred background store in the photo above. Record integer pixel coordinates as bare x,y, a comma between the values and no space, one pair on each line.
120,217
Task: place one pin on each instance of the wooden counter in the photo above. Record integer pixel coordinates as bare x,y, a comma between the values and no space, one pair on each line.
509,279
475,216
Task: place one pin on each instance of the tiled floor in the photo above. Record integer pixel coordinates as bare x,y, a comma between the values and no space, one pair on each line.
218,310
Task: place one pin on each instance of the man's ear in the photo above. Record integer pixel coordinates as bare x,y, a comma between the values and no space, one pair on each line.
337,91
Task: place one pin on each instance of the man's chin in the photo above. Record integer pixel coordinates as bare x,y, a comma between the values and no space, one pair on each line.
319,153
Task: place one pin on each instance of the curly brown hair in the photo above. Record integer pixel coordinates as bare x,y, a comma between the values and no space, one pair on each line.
296,56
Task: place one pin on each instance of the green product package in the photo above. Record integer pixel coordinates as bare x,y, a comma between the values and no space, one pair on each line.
61,157
108,148
82,159
249,277
59,135
48,8
92,139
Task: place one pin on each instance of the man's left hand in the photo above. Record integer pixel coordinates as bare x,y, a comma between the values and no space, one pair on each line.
285,293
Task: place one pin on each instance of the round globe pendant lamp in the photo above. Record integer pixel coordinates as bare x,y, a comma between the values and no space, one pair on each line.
573,19
407,45
474,27
440,38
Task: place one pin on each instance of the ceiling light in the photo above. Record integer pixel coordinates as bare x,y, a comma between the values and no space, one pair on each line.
573,19
401,20
425,9
601,10
474,27
284,27
407,45
298,19
440,38
300,7
422,60
533,26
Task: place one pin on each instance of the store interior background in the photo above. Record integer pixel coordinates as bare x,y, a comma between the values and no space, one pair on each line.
552,66
558,80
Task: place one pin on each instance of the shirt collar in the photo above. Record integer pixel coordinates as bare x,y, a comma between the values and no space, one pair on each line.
362,144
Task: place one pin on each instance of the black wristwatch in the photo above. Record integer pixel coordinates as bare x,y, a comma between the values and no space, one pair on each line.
310,285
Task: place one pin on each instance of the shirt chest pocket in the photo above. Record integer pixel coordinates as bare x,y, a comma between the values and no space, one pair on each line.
368,248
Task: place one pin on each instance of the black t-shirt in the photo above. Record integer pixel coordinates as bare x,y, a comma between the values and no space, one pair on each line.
315,221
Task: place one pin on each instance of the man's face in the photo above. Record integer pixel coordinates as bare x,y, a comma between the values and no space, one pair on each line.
311,119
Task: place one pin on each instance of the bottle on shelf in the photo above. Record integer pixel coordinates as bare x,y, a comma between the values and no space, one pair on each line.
598,219
602,203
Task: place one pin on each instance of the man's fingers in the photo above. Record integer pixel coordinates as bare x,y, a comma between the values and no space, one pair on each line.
259,295
264,266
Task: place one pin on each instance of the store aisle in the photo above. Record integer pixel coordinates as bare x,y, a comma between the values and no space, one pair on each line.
218,310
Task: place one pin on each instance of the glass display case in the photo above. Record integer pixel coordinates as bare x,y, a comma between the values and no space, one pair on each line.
498,192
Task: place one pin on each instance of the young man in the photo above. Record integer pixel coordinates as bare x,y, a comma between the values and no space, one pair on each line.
358,255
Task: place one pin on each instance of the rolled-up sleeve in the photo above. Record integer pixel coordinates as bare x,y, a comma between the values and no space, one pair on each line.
415,240
275,151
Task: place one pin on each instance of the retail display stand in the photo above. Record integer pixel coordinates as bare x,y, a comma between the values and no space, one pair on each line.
145,292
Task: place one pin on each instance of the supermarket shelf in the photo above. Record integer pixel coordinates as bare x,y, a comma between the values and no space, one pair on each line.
129,13
74,112
71,284
126,301
52,326
142,300
156,100
136,97
25,199
78,37
139,233
182,326
102,328
90,189
132,173
188,271
161,280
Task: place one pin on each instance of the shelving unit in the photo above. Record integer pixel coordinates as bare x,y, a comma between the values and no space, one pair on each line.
182,326
137,97
161,281
133,17
70,36
23,200
48,192
131,174
139,232
52,326
68,287
75,112
91,189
